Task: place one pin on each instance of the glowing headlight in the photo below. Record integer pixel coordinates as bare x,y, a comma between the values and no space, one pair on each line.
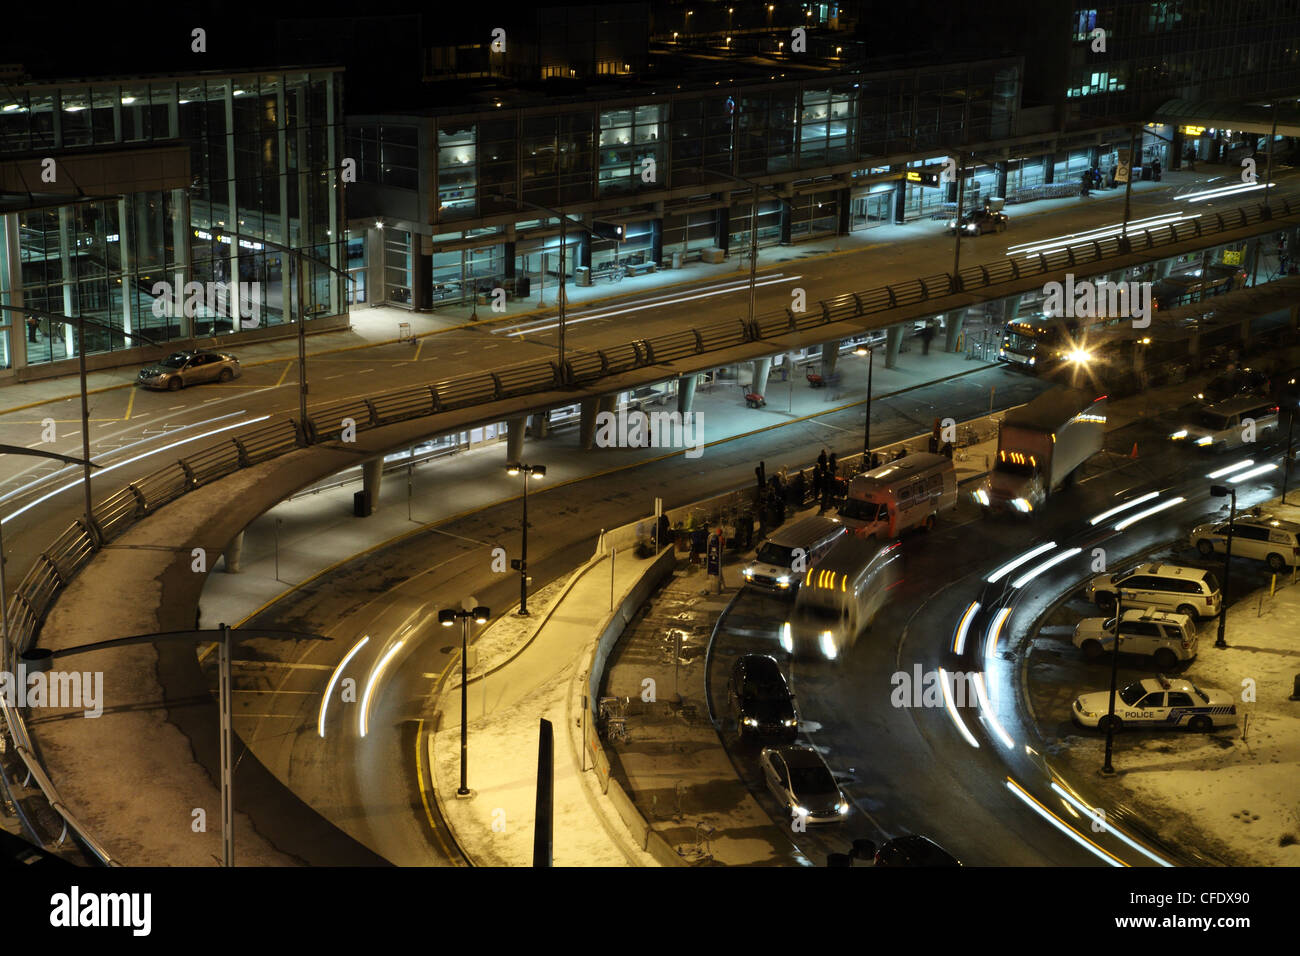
1176,436
827,643
1033,359
749,575
750,722
802,811
1207,440
1079,356
789,721
842,807
952,223
1022,505
783,579
786,640
982,497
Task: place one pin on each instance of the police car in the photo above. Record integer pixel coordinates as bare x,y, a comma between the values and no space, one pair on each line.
1157,702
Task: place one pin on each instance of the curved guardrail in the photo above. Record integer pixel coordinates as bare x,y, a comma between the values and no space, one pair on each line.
70,552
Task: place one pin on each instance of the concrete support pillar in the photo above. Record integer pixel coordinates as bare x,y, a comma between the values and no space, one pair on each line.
1248,260
1162,269
233,552
508,260
584,250
785,224
1011,308
722,227
421,277
952,323
1177,149
843,203
515,439
893,345
830,356
1001,180
686,393
1245,335
372,473
762,369
900,202
591,407
1049,168
656,241
541,424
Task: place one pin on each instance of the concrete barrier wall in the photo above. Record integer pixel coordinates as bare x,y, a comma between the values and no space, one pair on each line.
644,835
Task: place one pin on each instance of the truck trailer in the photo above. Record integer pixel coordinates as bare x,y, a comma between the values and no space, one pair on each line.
1040,446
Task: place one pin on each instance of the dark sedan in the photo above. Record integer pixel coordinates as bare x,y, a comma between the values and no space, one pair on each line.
914,850
760,699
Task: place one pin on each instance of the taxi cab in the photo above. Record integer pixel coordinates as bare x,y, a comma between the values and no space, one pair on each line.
1157,702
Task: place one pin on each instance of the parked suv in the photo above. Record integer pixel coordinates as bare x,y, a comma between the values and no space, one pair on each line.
1171,587
760,699
1261,537
1169,638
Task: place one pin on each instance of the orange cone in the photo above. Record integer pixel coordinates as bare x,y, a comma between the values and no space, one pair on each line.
1134,452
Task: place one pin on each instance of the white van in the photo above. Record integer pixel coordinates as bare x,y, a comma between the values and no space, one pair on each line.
1221,426
787,554
1261,537
840,597
903,494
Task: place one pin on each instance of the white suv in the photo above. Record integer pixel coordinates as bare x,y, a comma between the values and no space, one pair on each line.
1169,587
1261,537
1169,638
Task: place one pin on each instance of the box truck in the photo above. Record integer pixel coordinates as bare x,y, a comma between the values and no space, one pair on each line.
1040,446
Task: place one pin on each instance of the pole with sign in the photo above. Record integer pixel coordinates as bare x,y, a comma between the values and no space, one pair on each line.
715,559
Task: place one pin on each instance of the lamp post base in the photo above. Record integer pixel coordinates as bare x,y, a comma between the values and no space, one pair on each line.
464,794
523,613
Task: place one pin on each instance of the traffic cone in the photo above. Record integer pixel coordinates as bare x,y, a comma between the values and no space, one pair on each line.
1134,452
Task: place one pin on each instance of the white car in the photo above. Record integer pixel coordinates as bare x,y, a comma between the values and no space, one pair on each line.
803,784
1170,587
1167,637
1157,702
1261,537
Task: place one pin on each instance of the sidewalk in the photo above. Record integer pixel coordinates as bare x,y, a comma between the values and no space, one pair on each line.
378,325
674,764
523,672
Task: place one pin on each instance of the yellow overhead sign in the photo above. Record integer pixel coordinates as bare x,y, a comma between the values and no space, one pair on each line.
1193,130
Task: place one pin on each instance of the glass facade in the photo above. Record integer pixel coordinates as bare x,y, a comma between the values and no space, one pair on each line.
264,153
565,155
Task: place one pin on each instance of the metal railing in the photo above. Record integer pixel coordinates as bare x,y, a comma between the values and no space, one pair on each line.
71,551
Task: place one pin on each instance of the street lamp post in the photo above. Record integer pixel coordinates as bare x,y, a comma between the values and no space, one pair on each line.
81,321
1286,465
226,640
956,254
447,617
870,353
1108,767
561,297
1222,491
300,260
1128,190
528,471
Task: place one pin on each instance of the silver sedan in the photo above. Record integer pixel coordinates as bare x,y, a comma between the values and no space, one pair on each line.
190,368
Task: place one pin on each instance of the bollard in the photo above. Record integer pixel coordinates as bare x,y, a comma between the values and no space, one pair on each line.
1295,688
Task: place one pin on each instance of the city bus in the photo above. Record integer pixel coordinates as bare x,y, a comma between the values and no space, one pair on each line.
1173,291
1041,341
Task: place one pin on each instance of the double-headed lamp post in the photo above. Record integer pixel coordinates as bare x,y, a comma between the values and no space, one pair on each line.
870,353
1223,491
447,617
528,471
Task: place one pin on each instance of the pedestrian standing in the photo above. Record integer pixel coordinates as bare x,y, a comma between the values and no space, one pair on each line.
832,467
821,459
32,325
927,334
761,473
